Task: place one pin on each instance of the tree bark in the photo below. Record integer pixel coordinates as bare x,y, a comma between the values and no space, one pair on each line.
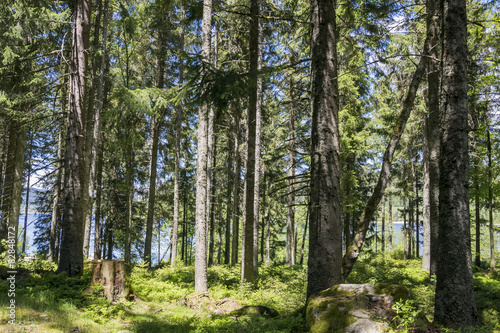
383,223
200,280
71,260
258,125
92,128
433,84
178,122
371,206
236,191
130,171
98,148
247,261
389,240
13,184
478,221
290,224
27,202
56,209
490,203
212,206
325,229
230,185
153,162
426,258
454,303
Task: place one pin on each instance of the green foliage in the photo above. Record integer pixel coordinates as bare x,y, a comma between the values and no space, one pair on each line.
406,314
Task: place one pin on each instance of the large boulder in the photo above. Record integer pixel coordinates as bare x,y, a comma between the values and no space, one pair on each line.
354,308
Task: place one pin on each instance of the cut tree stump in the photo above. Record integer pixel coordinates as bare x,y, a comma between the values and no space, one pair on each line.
112,275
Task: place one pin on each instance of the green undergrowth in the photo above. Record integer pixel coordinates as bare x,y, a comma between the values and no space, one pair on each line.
166,302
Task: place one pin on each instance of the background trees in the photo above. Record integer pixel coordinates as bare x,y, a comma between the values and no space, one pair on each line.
161,73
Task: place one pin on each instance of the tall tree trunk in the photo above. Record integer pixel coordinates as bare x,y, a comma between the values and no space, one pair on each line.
178,129
417,226
98,196
13,188
56,209
230,184
236,191
75,173
304,238
405,231
258,124
130,202
92,128
433,84
371,206
156,122
383,223
389,240
184,231
478,221
290,224
247,260
153,162
219,232
490,203
454,303
27,202
325,229
212,207
97,155
200,280
263,224
426,218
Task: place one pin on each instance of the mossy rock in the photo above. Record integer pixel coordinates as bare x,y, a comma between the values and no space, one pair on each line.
259,310
351,308
398,292
328,311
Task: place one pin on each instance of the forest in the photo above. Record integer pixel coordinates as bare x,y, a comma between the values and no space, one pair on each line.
249,165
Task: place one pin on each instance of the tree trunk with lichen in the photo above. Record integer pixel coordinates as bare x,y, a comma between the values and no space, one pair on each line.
112,275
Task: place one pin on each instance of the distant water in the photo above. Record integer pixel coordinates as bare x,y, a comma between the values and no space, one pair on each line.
30,235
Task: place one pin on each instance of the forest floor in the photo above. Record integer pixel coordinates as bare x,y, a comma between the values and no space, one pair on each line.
165,300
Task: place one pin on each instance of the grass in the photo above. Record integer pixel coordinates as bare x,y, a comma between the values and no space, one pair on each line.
166,301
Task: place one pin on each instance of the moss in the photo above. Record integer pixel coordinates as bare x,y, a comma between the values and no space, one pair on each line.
332,311
400,293
256,310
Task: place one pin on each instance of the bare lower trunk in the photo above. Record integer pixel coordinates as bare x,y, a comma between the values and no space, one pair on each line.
13,188
454,303
433,83
490,203
211,211
178,122
153,159
478,221
290,224
325,229
390,223
71,260
426,258
200,280
383,223
236,191
56,203
229,203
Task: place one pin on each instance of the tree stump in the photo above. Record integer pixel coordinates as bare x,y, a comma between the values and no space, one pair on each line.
112,275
